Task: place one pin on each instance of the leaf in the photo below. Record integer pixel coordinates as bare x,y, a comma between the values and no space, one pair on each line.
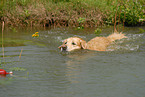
17,69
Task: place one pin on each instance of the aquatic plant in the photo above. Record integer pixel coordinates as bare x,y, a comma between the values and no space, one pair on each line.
0,64
17,69
141,30
98,31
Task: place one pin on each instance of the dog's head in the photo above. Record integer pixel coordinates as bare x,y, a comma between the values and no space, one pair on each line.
73,43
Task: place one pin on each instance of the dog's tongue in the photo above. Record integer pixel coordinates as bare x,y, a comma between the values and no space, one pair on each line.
61,49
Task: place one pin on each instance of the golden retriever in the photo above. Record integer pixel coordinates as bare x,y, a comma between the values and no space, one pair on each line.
97,43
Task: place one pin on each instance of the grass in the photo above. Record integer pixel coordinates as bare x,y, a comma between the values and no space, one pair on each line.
68,12
8,42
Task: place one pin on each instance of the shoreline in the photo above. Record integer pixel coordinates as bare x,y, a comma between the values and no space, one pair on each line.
70,13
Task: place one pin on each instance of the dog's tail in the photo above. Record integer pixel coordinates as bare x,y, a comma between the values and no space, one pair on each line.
116,36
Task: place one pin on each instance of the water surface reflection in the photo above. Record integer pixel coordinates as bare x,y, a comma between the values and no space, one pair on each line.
81,73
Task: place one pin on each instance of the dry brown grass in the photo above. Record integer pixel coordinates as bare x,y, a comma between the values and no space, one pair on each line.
41,15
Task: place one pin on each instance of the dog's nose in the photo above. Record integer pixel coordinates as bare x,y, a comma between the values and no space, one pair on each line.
63,47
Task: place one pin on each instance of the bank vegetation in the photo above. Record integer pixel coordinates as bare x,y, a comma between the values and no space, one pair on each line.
75,13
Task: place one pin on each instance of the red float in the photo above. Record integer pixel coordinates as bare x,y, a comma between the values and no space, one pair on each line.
3,72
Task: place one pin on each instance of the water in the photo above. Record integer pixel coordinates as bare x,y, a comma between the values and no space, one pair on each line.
119,72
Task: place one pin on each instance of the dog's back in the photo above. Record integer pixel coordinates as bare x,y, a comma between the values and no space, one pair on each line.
101,43
98,44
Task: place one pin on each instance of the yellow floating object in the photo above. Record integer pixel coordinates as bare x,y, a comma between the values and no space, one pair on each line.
35,35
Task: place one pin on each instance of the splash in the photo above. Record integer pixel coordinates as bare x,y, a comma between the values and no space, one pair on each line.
132,43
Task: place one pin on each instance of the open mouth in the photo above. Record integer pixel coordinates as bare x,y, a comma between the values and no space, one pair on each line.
63,49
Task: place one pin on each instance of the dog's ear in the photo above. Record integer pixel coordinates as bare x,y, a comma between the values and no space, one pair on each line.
83,44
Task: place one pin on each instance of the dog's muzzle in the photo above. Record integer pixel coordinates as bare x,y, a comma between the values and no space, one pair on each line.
63,47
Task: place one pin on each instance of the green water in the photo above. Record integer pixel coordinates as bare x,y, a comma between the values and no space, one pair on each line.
119,72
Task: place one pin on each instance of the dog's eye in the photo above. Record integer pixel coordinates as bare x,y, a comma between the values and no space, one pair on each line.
73,43
65,43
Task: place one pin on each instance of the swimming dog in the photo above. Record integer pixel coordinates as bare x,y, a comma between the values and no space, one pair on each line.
97,43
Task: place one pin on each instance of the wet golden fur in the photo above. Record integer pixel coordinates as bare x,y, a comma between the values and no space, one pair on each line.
97,43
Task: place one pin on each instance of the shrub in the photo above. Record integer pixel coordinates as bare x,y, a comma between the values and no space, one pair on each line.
128,12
